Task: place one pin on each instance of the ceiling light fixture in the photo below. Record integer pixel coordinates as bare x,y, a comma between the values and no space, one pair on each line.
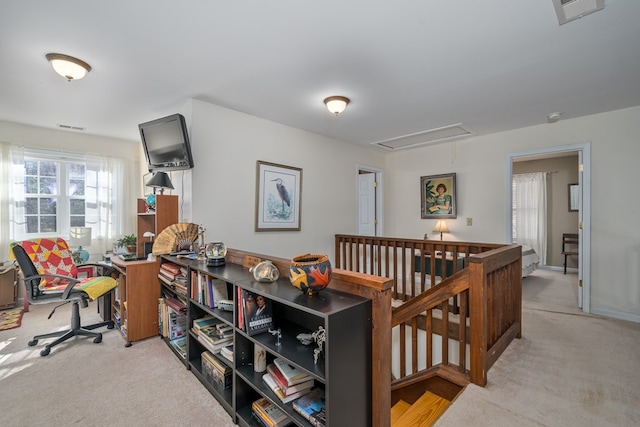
554,117
67,66
336,104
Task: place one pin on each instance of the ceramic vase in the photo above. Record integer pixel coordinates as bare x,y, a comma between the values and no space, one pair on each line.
310,273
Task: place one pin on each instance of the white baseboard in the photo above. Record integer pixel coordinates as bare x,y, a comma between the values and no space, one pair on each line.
630,317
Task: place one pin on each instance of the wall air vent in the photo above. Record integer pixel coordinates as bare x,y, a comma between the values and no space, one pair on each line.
69,127
431,136
568,10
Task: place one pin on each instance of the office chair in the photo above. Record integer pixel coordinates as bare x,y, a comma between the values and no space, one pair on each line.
50,275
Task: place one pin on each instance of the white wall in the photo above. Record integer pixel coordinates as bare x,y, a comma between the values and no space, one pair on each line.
480,167
226,145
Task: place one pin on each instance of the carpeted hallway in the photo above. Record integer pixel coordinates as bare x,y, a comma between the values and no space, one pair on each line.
568,369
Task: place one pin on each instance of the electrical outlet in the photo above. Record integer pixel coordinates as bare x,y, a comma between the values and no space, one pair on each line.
469,221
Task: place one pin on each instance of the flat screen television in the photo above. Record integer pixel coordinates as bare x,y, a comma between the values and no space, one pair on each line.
166,144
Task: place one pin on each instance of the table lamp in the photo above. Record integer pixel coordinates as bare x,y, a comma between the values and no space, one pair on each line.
160,180
80,236
441,227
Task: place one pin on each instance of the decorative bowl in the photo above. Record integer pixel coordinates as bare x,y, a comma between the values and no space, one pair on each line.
310,273
265,271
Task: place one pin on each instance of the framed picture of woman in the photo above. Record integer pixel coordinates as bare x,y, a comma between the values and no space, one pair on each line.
438,196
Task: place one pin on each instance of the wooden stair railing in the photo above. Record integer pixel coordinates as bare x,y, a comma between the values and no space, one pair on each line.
486,310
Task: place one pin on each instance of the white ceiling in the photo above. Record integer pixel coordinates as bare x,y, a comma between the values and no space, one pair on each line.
408,66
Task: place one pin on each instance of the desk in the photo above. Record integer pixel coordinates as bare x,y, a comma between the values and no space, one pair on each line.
438,272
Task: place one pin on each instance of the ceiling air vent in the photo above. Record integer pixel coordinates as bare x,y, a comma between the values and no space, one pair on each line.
69,127
568,10
431,136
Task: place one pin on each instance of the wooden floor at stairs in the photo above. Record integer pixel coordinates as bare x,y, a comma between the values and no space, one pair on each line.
431,397
423,413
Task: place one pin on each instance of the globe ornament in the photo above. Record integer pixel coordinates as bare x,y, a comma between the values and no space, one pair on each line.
150,201
310,273
215,253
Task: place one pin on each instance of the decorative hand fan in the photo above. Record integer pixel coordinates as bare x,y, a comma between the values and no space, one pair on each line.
175,237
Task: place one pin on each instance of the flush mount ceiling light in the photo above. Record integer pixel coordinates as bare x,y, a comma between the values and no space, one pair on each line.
554,117
336,104
67,66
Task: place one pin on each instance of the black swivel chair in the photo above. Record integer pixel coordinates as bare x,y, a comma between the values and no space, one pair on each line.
53,281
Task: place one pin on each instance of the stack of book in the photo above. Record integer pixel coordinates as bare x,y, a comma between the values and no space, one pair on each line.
174,276
215,370
312,407
269,414
287,382
213,333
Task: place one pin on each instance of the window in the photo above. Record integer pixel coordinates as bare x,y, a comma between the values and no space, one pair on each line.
54,196
529,211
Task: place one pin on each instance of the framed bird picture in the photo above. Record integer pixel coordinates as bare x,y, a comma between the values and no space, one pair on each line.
278,197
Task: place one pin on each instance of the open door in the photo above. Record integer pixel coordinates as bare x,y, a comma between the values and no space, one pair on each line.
369,201
366,204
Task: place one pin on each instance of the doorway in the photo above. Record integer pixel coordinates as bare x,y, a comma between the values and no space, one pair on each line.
369,215
584,214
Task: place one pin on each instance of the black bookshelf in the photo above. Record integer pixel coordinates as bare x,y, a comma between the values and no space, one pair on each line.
343,371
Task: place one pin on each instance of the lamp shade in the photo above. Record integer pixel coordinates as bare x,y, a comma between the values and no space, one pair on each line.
67,66
160,180
441,227
78,237
336,104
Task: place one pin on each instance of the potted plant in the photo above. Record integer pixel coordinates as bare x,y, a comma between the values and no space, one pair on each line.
129,241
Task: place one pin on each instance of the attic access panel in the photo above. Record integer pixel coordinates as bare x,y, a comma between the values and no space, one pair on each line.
569,10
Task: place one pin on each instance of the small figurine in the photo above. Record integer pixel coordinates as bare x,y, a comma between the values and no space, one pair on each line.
305,339
278,333
319,336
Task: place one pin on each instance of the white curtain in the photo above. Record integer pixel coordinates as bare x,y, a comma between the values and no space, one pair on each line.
106,195
530,212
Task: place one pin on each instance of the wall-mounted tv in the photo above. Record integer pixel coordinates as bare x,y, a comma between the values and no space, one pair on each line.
166,144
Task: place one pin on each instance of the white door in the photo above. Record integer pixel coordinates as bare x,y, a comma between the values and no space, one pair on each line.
366,204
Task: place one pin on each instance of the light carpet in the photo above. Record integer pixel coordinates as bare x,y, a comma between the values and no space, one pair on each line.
86,384
568,369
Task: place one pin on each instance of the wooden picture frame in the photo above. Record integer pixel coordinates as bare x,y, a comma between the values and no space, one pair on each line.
430,206
278,197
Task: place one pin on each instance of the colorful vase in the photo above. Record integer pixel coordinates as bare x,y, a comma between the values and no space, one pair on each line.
310,273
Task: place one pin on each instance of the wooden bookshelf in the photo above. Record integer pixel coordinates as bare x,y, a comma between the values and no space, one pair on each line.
134,305
165,214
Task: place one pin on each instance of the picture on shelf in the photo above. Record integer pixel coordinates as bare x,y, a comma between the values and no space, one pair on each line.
258,313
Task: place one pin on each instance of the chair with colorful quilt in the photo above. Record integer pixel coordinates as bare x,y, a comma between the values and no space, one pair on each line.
50,275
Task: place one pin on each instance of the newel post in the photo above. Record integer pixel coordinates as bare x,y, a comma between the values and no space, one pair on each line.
477,321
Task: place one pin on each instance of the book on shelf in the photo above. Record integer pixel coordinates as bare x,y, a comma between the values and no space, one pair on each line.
180,344
270,413
257,311
215,371
170,267
176,305
290,373
312,407
203,322
282,383
240,312
227,352
273,386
